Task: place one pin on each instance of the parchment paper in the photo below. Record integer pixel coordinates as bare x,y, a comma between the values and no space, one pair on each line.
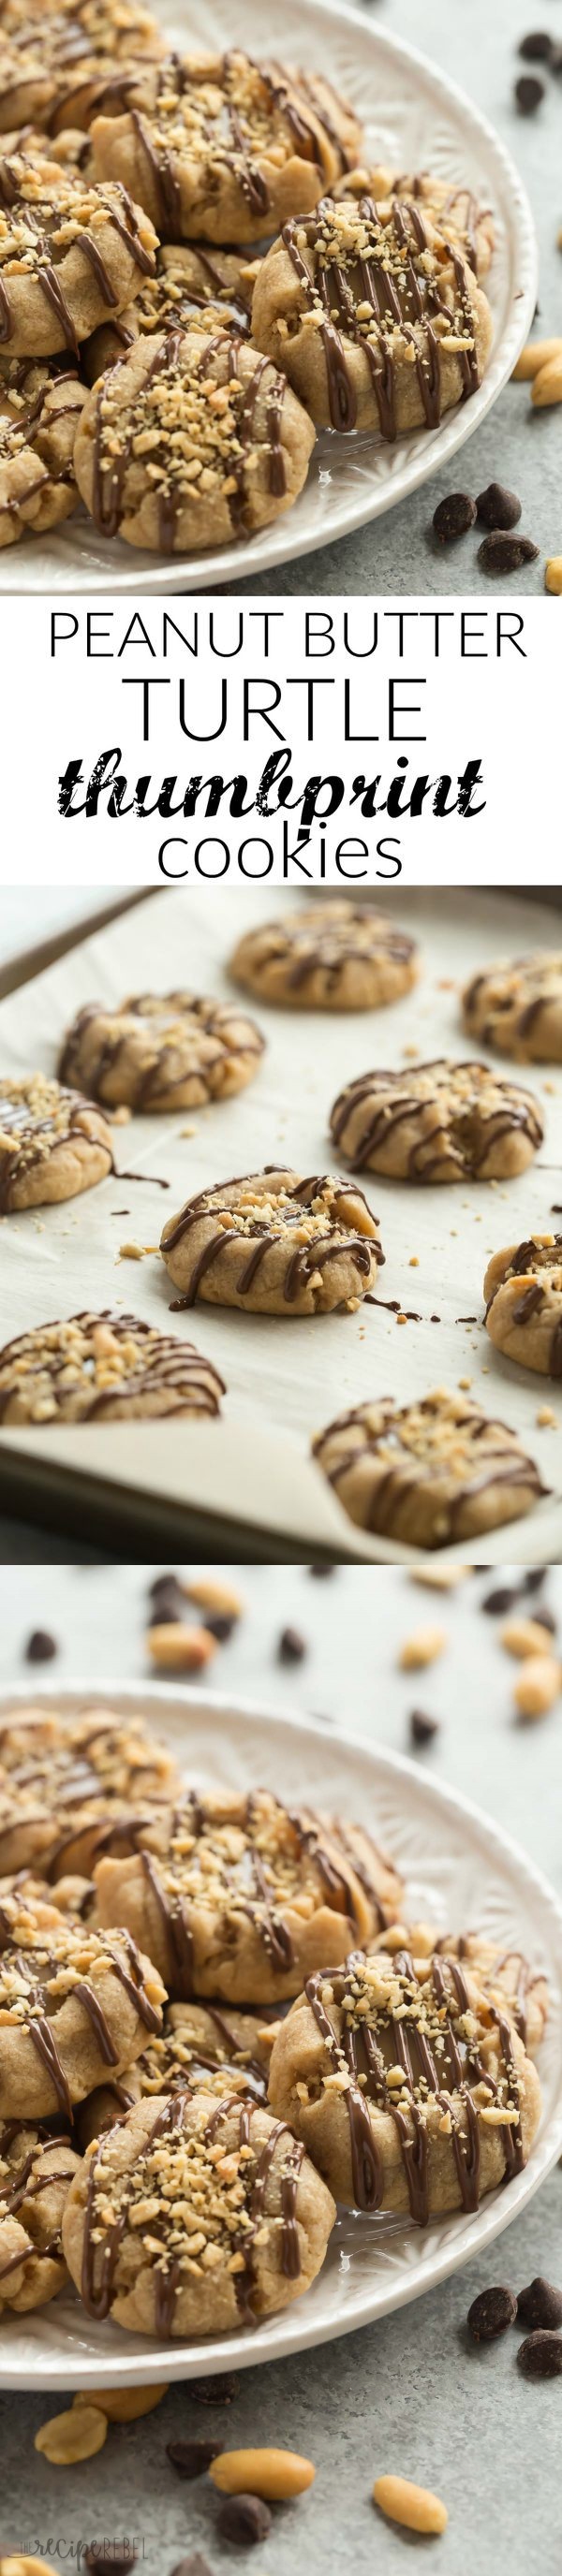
285,1378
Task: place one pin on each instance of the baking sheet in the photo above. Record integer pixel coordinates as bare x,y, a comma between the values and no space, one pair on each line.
286,1378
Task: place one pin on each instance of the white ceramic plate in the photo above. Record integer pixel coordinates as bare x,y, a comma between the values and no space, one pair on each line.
460,1870
414,118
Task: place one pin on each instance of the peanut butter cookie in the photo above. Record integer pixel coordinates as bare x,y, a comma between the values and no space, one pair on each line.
426,1473
194,288
69,254
523,1292
40,408
73,2003
437,1122
328,957
407,2084
103,1368
273,1244
53,1143
239,1897
199,2051
518,1988
35,2173
376,320
194,2217
162,1051
71,1789
62,64
517,1007
191,441
220,148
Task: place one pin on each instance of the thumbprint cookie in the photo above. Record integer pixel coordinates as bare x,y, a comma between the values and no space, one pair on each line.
40,407
426,1473
198,2051
162,1051
35,2174
192,440
103,1368
523,1292
517,1006
53,1143
376,319
220,148
437,1122
273,1244
328,957
69,255
194,288
73,2002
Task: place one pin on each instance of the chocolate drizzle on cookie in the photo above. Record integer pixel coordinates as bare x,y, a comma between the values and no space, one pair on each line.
154,1080
384,287
506,1004
261,1233
30,1136
227,443
230,141
541,1290
164,1366
41,219
368,1114
253,1884
410,1462
371,2042
102,2245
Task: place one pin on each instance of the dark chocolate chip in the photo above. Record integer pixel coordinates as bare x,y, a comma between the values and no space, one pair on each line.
497,507
40,1647
215,2392
421,1727
540,2357
496,1603
191,2459
532,1581
245,2518
547,1620
454,516
556,60
502,552
219,1625
166,1600
292,1646
321,1572
528,92
536,48
540,2305
490,2313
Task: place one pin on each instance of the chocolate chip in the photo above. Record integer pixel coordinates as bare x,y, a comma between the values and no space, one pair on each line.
528,93
167,1601
245,2518
454,516
540,2305
532,1581
536,48
321,1572
490,2313
218,2391
292,1646
540,2357
496,1603
501,552
40,1647
219,1625
421,1727
497,507
556,60
547,1620
191,2459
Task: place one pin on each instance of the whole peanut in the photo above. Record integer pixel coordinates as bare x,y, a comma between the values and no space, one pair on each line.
414,2506
184,1650
547,386
538,1686
73,2436
273,2474
553,575
422,1648
525,1637
122,2405
209,1595
538,353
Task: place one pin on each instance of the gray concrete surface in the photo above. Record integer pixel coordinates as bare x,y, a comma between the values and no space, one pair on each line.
477,47
408,2395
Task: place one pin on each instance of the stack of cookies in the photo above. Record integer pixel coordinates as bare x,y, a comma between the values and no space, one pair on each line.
199,239
217,2022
